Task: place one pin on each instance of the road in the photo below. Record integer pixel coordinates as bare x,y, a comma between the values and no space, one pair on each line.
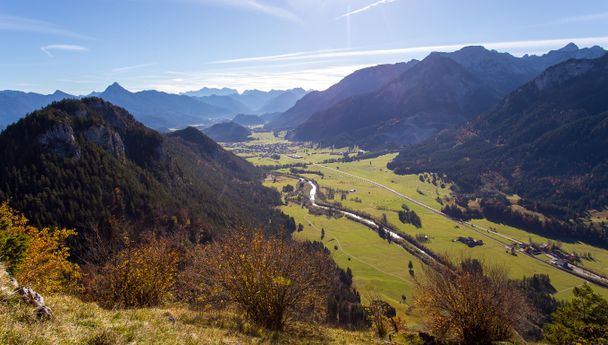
575,271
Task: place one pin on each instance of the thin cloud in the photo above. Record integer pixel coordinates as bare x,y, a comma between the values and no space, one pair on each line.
530,44
279,57
584,18
132,67
254,6
12,23
64,47
366,8
77,81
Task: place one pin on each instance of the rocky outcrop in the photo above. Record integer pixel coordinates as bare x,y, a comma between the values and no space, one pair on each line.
107,139
59,140
563,73
28,295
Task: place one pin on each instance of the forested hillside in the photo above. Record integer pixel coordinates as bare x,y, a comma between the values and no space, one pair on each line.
546,142
91,166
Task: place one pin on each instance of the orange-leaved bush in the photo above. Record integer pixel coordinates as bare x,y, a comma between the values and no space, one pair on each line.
271,279
141,275
471,304
38,258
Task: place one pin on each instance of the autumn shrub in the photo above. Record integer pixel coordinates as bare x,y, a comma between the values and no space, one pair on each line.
471,303
380,314
273,280
141,275
37,258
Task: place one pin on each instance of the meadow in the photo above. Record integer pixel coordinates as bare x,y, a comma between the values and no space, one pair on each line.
442,231
378,202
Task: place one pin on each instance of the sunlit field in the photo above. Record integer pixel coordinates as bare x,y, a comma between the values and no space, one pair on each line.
371,199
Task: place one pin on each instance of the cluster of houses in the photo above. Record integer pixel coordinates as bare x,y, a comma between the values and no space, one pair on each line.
266,150
558,257
561,263
469,241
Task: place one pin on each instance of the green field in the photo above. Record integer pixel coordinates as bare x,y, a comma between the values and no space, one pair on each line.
598,263
376,201
378,267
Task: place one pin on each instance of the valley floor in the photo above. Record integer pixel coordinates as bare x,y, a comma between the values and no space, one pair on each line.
380,268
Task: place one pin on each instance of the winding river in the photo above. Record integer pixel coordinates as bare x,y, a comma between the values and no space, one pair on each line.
368,222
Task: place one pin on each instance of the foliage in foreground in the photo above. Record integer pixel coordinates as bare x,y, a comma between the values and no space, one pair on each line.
38,258
273,280
472,304
141,275
78,323
584,320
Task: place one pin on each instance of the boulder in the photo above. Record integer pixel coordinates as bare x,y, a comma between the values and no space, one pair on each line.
43,312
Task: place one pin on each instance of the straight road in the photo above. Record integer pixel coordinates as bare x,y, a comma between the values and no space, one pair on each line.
575,271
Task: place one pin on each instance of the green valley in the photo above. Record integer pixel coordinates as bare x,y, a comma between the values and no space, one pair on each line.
382,270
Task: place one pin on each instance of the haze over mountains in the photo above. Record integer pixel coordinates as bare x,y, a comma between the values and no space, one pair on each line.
376,107
15,104
357,83
211,92
442,90
161,110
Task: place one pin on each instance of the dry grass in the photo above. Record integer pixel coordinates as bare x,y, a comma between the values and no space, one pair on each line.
76,322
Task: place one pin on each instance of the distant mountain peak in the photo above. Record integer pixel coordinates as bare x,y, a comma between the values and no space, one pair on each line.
61,94
115,87
570,47
209,91
474,49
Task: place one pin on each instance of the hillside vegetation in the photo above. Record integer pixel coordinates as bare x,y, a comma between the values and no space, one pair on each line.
228,132
544,143
77,322
89,165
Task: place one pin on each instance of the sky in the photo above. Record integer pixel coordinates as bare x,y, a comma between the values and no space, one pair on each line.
181,45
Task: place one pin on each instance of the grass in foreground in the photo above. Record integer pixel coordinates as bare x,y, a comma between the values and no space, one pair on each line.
76,322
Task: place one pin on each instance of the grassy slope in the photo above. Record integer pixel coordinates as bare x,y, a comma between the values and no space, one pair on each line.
379,268
377,201
443,231
76,322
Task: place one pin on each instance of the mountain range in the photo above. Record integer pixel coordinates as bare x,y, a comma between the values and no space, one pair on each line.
357,83
545,142
409,104
211,92
161,110
15,104
89,165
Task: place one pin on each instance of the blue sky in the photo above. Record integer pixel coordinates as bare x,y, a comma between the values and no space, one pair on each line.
180,45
